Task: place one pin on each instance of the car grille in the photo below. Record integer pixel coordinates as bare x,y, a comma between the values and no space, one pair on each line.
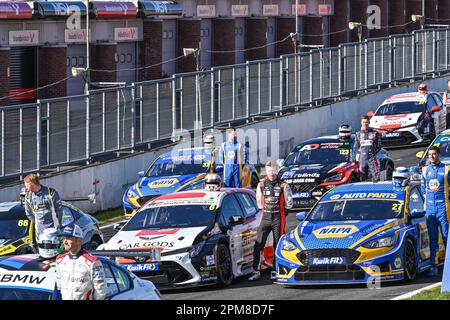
303,187
350,255
332,273
168,273
143,200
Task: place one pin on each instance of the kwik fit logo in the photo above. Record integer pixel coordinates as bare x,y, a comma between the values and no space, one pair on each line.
327,260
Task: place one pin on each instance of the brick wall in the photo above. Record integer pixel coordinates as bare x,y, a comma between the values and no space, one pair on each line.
223,40
285,26
103,57
52,67
188,36
150,50
4,79
256,37
339,22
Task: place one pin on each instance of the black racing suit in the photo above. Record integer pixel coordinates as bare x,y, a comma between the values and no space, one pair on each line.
273,197
367,144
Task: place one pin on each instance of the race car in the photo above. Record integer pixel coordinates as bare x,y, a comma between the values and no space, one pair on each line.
174,171
409,118
29,277
203,237
358,233
17,232
319,164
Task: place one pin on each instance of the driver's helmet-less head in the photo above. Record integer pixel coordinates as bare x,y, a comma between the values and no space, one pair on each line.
213,182
400,178
50,243
209,141
345,132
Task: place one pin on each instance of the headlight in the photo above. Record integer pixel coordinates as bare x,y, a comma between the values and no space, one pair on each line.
288,245
380,242
196,249
131,194
336,177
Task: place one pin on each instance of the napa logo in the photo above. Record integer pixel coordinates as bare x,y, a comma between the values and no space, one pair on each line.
335,231
163,183
434,184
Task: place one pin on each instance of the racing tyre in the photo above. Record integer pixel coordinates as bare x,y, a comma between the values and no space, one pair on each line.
224,265
410,261
254,181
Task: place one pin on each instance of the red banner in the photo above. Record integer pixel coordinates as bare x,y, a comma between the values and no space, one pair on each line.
114,10
15,10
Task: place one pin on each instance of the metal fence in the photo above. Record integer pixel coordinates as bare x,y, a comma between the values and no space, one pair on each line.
68,130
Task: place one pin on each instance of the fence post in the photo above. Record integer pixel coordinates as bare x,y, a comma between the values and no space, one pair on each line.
38,136
434,52
158,118
133,116
174,99
366,64
21,142
390,59
212,98
413,55
68,130
88,125
247,89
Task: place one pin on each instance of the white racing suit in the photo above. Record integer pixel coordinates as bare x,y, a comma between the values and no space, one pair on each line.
80,277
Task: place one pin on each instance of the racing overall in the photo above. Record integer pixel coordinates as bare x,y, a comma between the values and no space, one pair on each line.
231,155
80,277
435,184
368,144
44,209
273,197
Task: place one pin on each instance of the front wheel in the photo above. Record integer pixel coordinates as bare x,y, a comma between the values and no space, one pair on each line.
224,265
410,261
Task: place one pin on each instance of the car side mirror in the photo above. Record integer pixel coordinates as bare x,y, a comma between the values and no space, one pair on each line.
301,215
119,225
435,108
417,214
280,162
141,174
370,114
235,220
420,154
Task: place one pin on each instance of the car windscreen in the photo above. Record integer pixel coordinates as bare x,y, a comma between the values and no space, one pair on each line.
401,108
174,168
323,153
180,216
13,229
343,210
24,294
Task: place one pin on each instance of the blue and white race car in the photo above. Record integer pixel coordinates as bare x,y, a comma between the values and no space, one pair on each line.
357,233
180,170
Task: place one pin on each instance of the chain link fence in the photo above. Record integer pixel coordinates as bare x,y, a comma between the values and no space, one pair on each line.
70,130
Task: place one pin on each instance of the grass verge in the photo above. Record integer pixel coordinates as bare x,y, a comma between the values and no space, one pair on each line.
432,294
109,216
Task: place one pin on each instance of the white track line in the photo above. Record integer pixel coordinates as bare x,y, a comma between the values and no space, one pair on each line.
413,293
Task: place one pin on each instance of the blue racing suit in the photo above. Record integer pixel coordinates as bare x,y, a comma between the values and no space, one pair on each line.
435,184
232,159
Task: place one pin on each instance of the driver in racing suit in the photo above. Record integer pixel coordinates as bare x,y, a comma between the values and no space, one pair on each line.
79,276
367,144
273,196
435,186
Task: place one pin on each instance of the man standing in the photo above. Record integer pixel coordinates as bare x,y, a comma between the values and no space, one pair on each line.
231,154
367,145
435,187
273,197
79,276
42,205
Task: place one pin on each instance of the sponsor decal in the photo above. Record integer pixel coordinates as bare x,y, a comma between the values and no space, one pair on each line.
270,10
325,9
157,232
330,145
199,157
163,183
338,231
445,139
140,267
206,11
301,9
335,196
125,34
434,184
301,195
15,10
210,260
364,195
26,37
148,244
310,147
75,35
40,280
392,134
327,260
398,262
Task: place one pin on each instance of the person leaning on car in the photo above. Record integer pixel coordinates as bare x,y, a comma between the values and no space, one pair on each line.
273,196
42,205
79,276
435,186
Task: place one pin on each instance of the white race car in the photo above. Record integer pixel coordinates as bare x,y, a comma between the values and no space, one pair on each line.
29,277
201,237
409,118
